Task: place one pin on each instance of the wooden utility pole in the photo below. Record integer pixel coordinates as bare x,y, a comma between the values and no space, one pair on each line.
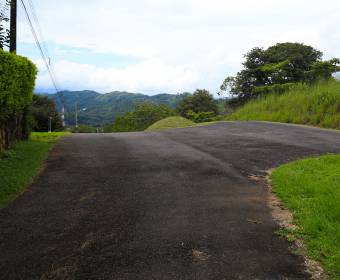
13,27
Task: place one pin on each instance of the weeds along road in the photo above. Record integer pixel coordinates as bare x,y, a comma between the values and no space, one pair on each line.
177,204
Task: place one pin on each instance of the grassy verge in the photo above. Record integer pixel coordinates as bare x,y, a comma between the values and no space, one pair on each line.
19,165
175,122
310,188
170,122
318,105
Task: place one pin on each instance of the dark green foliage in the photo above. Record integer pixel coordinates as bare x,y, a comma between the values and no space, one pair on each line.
140,118
201,116
323,70
201,101
99,109
277,68
17,79
41,110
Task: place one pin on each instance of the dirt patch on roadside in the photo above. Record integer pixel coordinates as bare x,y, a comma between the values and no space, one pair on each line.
284,218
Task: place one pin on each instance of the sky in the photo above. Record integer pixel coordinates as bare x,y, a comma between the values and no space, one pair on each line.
172,46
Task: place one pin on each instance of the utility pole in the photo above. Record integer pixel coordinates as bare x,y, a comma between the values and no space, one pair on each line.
13,27
76,115
50,124
63,115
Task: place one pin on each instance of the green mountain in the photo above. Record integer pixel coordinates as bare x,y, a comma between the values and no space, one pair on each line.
98,109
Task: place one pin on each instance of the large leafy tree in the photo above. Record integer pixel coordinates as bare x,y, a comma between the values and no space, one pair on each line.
277,68
42,109
201,101
144,115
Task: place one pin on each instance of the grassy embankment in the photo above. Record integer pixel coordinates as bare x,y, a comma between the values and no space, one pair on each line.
20,164
318,105
170,122
176,122
310,188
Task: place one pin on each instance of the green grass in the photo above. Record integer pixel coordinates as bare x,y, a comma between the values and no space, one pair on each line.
318,105
310,188
170,122
176,122
20,164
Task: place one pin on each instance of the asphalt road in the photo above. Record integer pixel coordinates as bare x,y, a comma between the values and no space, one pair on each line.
177,204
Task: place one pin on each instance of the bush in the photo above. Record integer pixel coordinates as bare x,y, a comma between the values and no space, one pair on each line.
201,116
144,115
17,80
200,101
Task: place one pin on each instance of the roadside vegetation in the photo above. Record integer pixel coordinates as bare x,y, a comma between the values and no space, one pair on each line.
310,188
42,110
287,82
317,105
170,122
144,115
20,164
193,108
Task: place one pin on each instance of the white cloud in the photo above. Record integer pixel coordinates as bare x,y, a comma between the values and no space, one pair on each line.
150,75
182,44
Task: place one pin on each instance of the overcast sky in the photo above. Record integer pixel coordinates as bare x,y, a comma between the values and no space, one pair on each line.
154,46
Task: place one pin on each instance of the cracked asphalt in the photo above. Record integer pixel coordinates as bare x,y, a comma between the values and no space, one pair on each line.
177,204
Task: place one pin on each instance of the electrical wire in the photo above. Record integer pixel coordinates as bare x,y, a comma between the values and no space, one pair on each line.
37,24
43,56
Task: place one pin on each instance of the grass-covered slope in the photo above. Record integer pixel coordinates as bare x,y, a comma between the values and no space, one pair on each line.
170,122
318,105
310,188
19,165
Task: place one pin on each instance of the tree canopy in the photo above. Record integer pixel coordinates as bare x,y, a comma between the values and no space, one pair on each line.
144,115
201,101
42,109
277,68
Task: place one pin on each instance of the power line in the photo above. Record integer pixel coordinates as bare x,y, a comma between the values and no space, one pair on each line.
50,71
42,41
40,33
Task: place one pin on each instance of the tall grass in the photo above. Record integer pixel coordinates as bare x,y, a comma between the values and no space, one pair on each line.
20,164
317,105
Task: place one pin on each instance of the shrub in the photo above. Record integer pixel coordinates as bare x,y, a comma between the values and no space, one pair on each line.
200,101
144,115
17,80
201,116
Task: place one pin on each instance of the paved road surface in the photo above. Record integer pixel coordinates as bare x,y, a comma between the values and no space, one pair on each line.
167,205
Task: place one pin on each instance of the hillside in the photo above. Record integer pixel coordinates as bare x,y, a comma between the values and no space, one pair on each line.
318,105
98,109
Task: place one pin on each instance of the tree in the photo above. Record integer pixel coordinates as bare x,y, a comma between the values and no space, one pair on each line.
4,31
201,101
276,69
42,109
144,115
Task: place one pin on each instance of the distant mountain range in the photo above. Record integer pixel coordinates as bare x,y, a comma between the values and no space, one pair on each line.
97,109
